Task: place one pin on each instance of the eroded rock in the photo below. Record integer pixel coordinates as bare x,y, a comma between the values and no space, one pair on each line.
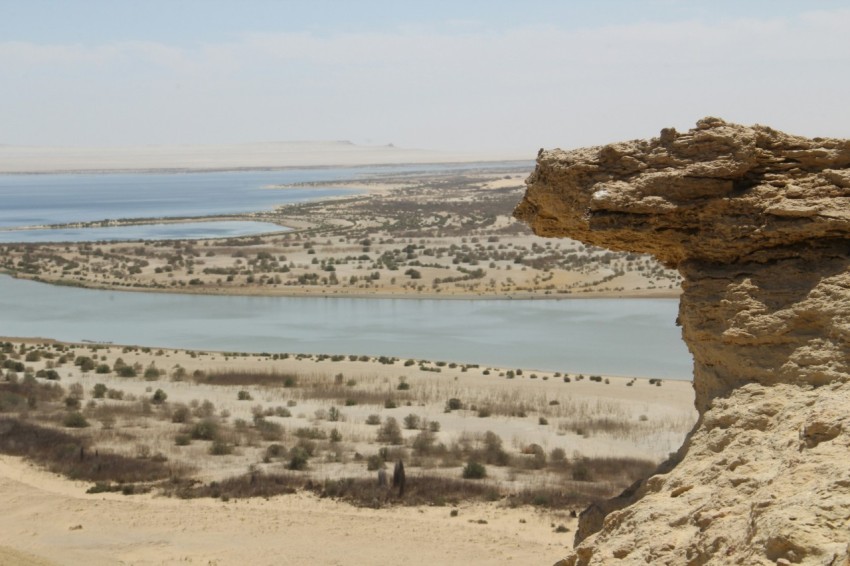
758,223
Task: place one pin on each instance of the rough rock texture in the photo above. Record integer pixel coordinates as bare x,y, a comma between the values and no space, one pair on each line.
758,223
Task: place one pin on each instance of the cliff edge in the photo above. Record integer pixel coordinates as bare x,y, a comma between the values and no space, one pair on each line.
758,223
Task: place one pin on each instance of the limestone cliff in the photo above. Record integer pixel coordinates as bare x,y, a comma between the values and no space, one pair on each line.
758,223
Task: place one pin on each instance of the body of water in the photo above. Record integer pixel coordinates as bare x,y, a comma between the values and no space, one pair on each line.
159,231
61,199
29,200
593,336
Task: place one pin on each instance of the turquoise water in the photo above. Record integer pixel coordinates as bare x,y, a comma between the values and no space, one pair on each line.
161,231
606,336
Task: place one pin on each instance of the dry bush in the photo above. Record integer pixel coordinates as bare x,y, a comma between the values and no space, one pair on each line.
72,456
245,378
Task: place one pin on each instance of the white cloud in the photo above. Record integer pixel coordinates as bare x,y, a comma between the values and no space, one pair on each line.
466,88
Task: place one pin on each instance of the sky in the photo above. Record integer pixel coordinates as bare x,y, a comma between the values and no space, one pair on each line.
475,75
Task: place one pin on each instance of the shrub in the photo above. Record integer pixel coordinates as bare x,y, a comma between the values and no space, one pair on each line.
181,414
558,456
50,374
159,397
126,371
373,420
75,420
390,432
220,447
474,471
268,430
275,451
244,396
298,458
206,429
374,462
182,439
411,422
86,363
454,404
99,391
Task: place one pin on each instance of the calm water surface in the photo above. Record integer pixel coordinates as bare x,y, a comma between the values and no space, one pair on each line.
29,200
606,336
161,231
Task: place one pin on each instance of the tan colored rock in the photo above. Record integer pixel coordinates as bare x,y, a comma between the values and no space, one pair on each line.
758,223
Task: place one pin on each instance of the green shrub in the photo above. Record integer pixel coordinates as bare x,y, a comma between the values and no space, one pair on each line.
411,422
159,397
244,396
126,371
474,471
206,429
298,458
220,447
75,420
99,391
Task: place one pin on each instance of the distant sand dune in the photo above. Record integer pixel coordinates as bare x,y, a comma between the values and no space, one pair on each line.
24,159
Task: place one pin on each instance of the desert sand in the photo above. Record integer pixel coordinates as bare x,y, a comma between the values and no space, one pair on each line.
51,520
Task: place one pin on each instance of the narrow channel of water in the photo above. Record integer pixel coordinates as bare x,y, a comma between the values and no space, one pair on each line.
634,337
158,231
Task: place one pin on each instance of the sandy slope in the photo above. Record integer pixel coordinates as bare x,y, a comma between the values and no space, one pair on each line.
54,519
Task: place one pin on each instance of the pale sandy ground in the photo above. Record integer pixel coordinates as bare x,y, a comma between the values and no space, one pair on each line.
269,155
50,520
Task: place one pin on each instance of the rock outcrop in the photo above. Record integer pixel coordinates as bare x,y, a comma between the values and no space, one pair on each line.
758,223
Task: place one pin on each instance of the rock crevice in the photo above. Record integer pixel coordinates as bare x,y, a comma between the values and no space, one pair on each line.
758,223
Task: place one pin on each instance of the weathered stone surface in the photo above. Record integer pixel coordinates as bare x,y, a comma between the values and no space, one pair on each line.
758,223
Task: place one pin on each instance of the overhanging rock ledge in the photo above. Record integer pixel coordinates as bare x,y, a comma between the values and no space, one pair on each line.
758,224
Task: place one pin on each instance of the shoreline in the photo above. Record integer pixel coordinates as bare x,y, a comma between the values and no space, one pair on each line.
401,295
35,340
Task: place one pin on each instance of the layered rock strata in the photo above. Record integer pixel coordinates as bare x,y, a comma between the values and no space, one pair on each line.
758,223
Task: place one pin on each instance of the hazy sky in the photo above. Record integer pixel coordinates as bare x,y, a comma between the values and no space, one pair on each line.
459,74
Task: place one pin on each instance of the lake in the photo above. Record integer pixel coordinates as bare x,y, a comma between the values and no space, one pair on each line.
33,200
634,337
160,231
